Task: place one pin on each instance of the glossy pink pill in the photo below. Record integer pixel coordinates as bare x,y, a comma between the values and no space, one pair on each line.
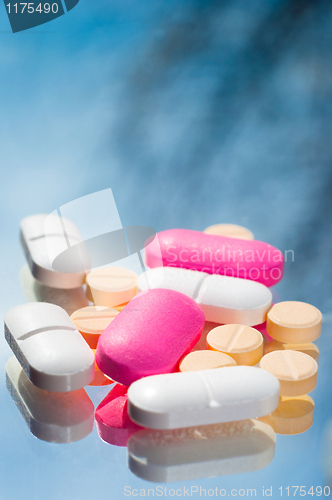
149,336
247,259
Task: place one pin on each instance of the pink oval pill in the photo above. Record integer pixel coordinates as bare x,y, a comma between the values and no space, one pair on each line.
248,259
149,336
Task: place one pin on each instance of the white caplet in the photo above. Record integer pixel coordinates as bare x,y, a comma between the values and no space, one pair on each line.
51,351
223,299
225,394
44,237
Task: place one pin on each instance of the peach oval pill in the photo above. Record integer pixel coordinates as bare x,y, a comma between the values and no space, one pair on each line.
243,343
253,260
205,360
296,371
91,321
293,415
294,322
230,230
309,348
149,336
111,286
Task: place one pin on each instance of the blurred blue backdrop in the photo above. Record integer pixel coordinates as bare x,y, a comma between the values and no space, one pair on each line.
193,112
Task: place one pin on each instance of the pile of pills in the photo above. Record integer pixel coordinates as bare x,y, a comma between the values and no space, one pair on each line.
182,342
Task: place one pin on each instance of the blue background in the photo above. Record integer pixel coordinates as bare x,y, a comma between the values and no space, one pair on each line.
193,113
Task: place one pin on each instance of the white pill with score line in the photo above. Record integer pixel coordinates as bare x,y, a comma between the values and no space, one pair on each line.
50,349
223,299
175,400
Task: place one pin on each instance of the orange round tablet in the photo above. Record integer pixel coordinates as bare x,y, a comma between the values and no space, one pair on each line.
111,286
91,321
309,348
230,230
294,322
296,371
205,360
293,415
243,343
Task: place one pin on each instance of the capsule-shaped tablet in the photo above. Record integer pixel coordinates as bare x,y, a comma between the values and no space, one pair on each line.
53,354
200,398
51,416
253,260
201,451
43,238
223,299
149,336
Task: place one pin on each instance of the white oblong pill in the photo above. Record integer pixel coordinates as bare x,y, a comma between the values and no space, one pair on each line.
50,416
225,394
43,238
201,451
51,351
223,299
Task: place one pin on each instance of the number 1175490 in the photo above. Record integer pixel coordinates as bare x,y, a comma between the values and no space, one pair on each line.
30,8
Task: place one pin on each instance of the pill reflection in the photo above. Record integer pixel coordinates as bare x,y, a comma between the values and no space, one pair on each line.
114,425
203,451
55,417
69,299
310,348
294,415
100,378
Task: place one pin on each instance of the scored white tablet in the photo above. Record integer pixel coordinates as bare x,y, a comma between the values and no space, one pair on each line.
223,299
51,351
205,397
43,238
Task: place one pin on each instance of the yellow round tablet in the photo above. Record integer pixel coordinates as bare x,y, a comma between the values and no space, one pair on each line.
243,343
205,360
309,348
294,322
293,415
111,286
230,230
91,321
296,371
